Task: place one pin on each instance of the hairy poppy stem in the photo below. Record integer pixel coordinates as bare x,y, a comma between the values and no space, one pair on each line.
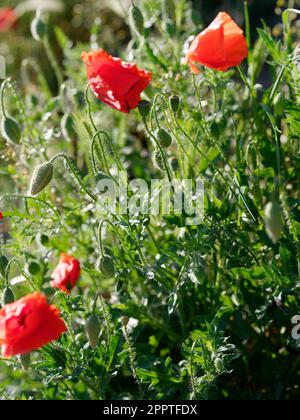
3,86
73,172
102,150
7,270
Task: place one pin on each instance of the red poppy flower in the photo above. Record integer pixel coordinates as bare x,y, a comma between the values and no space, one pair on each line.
115,82
28,324
1,216
8,19
66,274
221,46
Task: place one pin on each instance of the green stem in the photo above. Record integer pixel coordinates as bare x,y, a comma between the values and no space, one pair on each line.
3,86
53,60
166,165
100,234
102,150
77,178
7,270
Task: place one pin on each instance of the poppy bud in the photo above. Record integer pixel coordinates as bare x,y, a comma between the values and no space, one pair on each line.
41,177
137,20
219,365
273,221
3,265
67,127
144,108
11,130
8,296
164,138
38,28
106,265
93,328
158,160
34,268
25,360
174,103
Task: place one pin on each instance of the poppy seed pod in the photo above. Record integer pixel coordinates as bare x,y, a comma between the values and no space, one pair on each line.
174,103
41,177
8,296
106,265
273,221
11,130
25,360
164,138
93,329
3,264
137,20
38,28
144,108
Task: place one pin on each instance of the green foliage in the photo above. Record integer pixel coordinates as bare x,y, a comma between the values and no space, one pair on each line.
185,312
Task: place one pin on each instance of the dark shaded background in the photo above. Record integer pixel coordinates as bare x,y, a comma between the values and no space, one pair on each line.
258,9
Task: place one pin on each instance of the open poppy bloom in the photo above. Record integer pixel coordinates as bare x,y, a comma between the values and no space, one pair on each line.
115,82
8,19
28,324
1,216
66,274
221,46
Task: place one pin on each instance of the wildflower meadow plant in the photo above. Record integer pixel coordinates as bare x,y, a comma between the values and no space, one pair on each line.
150,212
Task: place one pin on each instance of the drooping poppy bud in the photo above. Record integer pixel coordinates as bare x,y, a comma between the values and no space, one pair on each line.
28,324
106,265
174,103
137,20
273,221
144,108
41,177
3,265
114,82
11,130
8,296
164,138
158,160
220,46
93,329
66,274
25,360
